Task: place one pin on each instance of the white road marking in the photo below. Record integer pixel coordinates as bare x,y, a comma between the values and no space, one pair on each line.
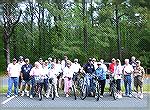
8,100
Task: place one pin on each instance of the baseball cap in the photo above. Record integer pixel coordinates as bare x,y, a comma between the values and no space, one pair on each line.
138,61
14,59
99,63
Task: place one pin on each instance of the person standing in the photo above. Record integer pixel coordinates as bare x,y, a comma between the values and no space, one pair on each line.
138,74
21,63
101,74
127,71
13,71
118,76
111,66
52,74
68,75
25,76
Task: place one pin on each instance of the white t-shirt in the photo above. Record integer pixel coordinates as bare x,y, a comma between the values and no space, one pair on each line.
52,73
14,70
127,69
75,67
68,72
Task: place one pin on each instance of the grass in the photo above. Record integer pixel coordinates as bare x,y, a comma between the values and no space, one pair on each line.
3,89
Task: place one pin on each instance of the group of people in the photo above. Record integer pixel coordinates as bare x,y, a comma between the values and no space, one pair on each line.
23,75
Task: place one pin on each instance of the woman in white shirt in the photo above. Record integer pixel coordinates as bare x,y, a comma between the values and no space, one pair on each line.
68,75
118,76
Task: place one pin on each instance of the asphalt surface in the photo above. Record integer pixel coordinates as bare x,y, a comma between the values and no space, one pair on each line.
107,102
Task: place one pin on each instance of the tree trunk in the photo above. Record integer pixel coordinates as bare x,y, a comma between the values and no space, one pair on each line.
85,35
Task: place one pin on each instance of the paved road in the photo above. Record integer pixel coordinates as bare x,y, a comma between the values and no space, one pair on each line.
69,103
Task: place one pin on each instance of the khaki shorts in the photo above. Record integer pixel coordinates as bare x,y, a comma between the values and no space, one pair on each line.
138,81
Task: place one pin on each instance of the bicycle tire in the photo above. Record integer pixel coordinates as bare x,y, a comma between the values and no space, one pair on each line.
74,92
83,91
40,92
97,91
53,92
113,91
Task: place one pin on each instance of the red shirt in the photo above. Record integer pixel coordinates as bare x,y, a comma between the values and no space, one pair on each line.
111,67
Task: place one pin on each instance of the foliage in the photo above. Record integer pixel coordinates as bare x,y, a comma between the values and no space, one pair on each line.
57,29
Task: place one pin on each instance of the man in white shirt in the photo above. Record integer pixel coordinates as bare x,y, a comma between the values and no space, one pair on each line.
13,70
127,71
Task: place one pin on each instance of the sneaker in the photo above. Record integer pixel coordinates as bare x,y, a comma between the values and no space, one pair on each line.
31,97
22,93
125,95
119,96
28,93
141,96
67,95
101,96
130,95
8,96
57,95
92,94
16,95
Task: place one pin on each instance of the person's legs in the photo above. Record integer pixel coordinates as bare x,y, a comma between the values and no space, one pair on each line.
10,83
129,84
118,82
45,85
23,87
32,87
125,85
66,85
16,81
102,85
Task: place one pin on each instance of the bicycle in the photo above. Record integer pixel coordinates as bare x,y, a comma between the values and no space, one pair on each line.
97,88
51,89
84,85
75,83
37,86
113,87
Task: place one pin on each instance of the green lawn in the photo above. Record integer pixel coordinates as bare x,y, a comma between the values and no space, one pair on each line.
3,89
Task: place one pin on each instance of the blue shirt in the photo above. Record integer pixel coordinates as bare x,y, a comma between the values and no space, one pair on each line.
101,73
25,70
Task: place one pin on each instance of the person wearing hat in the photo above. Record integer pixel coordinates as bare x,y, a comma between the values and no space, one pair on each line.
49,62
13,71
21,63
95,63
52,74
138,74
112,65
68,75
25,76
89,70
118,76
101,74
76,69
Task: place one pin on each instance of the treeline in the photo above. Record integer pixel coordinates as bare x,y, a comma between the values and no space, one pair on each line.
76,28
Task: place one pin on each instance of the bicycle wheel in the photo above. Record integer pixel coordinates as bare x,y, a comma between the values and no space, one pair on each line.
97,91
74,91
83,89
40,92
53,92
113,91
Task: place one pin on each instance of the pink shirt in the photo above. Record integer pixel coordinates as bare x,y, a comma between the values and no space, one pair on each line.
36,71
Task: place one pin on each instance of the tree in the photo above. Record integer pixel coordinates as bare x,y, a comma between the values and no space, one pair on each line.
9,23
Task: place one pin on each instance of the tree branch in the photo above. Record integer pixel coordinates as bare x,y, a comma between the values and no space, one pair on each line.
14,24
